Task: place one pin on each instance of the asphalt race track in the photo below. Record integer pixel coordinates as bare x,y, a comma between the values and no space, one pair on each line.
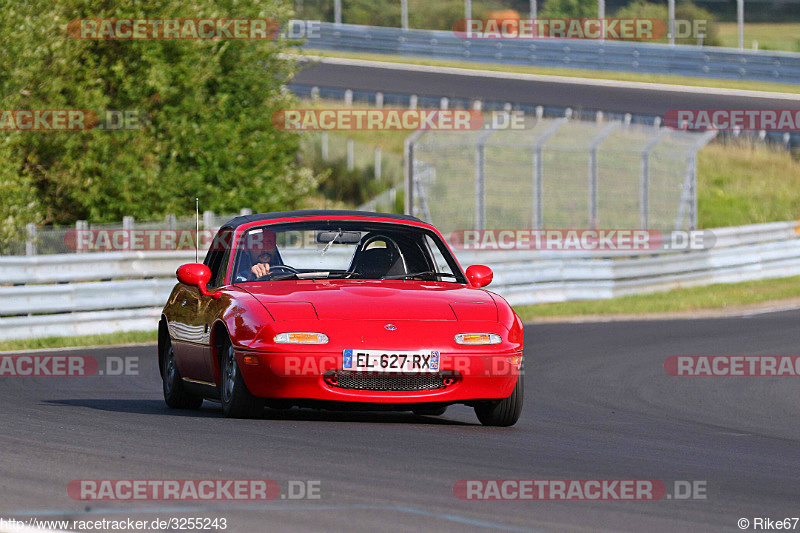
599,405
622,98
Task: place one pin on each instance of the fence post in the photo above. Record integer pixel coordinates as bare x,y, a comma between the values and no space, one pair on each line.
324,142
593,145
208,219
404,14
379,100
671,21
30,242
350,155
444,103
644,183
337,11
80,227
412,101
127,223
538,216
245,211
348,97
378,163
480,180
693,192
408,170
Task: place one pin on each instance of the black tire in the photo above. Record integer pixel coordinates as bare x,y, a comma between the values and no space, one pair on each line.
433,411
502,413
174,393
237,401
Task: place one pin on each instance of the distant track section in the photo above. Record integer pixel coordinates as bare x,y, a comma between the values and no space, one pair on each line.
604,95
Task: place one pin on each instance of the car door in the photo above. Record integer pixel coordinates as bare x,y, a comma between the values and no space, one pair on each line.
191,322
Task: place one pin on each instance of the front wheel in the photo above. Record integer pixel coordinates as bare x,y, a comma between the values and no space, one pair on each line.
237,401
174,393
502,412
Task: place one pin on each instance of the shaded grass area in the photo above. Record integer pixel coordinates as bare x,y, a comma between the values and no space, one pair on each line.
106,339
580,73
783,36
719,296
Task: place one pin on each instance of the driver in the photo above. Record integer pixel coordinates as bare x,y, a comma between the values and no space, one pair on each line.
260,254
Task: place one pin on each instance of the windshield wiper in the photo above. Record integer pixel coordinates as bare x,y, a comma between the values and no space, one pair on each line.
418,274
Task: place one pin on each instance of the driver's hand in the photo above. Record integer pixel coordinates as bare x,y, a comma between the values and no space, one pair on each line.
260,270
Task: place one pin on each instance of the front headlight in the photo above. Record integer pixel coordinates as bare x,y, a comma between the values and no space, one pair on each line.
478,338
301,338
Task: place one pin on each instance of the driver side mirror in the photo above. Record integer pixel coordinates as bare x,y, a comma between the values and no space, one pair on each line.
197,275
479,275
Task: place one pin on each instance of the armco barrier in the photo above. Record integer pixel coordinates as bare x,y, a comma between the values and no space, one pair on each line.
79,294
713,62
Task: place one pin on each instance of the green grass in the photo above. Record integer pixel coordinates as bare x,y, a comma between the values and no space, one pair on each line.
580,73
746,183
770,36
129,337
719,296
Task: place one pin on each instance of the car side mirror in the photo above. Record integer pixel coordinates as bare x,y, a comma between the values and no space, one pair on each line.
479,275
197,275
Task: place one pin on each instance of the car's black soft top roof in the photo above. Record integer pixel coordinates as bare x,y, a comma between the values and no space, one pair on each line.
244,219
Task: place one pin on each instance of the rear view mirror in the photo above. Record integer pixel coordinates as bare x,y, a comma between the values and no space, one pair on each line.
338,237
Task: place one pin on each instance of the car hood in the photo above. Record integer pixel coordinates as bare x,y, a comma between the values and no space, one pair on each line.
367,299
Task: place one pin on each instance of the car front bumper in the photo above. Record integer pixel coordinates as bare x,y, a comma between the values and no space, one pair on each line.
319,376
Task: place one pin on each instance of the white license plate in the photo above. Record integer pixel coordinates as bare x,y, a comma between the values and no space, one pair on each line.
390,361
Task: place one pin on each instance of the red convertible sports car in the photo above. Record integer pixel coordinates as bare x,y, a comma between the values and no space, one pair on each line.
339,310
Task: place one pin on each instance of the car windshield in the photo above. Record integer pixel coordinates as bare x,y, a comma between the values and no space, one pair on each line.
342,250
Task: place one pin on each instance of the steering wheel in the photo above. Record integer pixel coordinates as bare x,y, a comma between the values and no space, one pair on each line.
274,269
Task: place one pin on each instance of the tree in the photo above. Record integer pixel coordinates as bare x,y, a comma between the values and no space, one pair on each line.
204,105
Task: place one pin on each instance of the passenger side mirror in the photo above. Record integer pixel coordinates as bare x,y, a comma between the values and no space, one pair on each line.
197,275
479,275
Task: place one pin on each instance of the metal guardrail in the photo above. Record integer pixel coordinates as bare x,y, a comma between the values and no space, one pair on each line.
80,294
683,60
